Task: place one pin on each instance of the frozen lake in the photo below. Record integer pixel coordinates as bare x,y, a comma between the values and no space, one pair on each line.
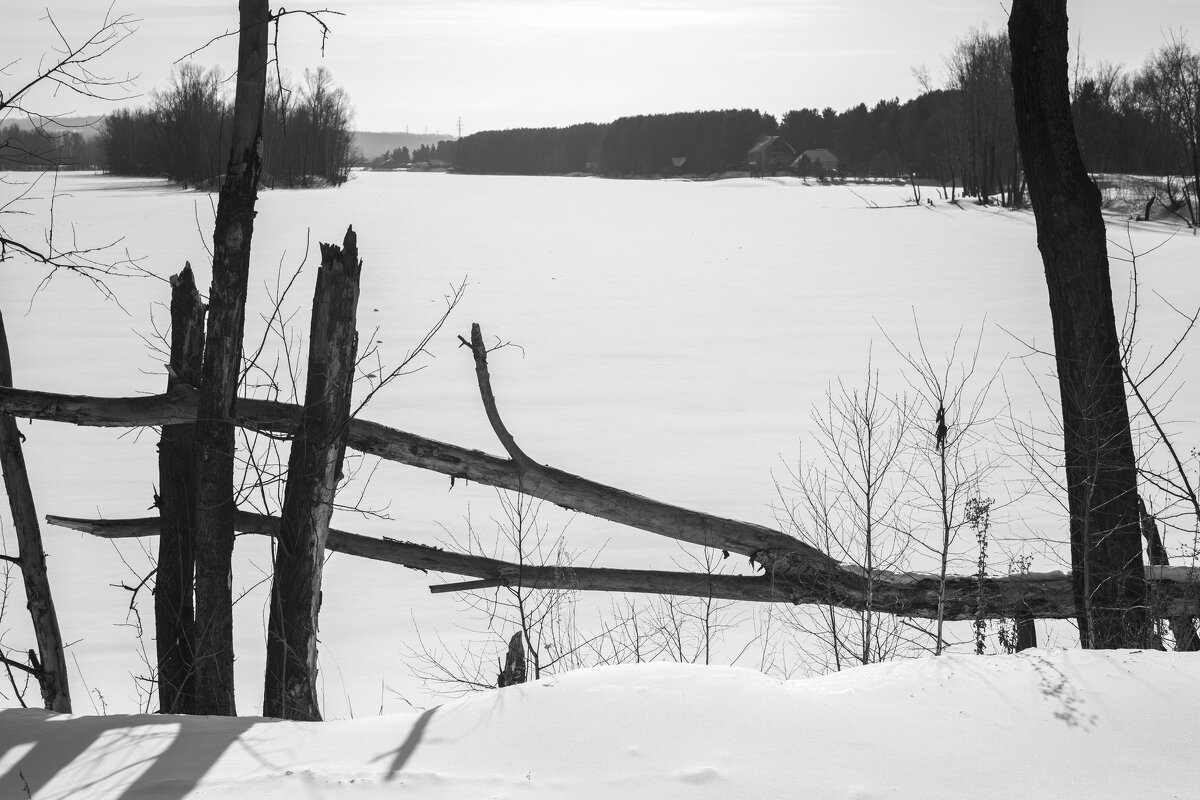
674,337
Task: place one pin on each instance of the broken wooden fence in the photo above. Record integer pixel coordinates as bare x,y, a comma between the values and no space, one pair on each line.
791,570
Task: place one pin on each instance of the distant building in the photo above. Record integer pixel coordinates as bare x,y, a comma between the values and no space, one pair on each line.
817,161
432,165
770,153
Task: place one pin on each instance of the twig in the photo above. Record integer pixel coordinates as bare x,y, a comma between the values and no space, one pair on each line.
489,401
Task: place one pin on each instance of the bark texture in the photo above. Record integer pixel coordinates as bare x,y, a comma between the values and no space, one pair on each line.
222,364
1106,552
314,468
174,614
50,667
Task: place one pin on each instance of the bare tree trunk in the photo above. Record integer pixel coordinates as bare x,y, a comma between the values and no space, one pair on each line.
222,361
50,668
174,615
1101,474
314,467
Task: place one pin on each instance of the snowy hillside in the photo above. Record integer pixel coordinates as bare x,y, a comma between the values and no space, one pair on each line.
1062,724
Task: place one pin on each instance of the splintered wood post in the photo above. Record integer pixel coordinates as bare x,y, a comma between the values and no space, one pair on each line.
214,438
314,467
174,617
50,668
514,663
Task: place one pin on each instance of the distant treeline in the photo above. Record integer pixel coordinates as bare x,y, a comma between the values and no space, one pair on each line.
46,147
711,141
185,133
439,156
961,136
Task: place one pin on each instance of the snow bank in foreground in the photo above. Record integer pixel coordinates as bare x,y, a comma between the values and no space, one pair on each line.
1041,724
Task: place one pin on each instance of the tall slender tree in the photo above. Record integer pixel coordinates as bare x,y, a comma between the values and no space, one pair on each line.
222,361
1106,550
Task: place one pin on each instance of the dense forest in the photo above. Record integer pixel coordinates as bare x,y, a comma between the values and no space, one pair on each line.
960,136
184,133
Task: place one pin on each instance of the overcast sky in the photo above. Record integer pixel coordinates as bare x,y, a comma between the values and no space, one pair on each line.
422,64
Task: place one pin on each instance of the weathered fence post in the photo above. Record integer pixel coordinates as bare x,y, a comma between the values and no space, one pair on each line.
314,467
174,616
49,668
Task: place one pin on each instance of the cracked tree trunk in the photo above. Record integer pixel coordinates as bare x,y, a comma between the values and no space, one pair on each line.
174,614
314,468
50,667
1106,548
222,364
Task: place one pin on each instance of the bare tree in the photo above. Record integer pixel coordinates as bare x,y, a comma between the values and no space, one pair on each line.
1169,87
1106,552
72,67
981,132
850,503
189,117
948,458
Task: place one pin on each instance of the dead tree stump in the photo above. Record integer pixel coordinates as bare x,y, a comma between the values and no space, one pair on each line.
314,467
174,615
514,663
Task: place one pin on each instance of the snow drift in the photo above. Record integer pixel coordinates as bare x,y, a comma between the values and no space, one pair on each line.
1059,724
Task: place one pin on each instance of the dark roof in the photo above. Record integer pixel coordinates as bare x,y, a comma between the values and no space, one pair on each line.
819,154
766,143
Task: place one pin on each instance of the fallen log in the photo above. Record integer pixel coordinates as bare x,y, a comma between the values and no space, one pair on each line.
561,488
1042,595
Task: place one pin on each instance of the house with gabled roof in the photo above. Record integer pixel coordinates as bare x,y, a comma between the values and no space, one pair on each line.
817,161
770,153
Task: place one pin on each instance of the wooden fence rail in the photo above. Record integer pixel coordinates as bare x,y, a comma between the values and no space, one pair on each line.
794,572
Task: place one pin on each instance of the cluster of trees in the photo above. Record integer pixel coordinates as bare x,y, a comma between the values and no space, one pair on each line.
1145,121
40,147
185,132
711,141
424,155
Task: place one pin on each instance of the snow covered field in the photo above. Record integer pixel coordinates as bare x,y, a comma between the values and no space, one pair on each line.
674,337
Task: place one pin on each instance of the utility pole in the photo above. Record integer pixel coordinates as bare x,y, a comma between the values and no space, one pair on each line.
459,128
